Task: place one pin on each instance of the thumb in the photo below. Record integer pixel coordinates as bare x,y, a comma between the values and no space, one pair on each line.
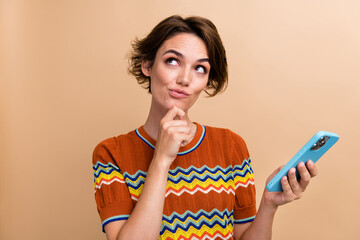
272,175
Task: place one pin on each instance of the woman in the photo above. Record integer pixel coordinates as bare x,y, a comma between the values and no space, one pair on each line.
196,182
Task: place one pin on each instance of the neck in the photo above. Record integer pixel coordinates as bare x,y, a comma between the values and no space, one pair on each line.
153,120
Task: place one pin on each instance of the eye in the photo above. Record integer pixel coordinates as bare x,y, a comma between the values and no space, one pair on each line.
172,61
200,69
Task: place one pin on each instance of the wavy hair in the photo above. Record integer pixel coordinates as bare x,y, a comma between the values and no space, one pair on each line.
145,49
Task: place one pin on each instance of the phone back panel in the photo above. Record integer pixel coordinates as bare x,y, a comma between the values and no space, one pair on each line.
303,155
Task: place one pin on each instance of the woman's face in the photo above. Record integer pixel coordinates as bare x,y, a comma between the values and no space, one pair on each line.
179,73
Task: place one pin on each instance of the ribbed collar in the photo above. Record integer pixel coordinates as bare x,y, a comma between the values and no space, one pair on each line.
191,146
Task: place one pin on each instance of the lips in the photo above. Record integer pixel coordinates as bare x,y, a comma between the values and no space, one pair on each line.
178,93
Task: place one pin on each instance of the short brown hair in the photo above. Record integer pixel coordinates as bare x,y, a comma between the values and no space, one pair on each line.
146,49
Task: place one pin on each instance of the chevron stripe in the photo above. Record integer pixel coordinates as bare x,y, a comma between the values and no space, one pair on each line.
243,171
216,232
243,174
102,165
201,225
217,235
174,173
191,174
179,224
135,180
198,189
245,166
244,181
207,177
108,182
218,181
192,180
244,184
200,175
106,174
135,194
176,218
178,171
246,163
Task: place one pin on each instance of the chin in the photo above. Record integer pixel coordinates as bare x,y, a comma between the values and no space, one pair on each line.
178,104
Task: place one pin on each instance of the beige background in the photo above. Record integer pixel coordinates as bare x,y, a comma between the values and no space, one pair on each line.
294,69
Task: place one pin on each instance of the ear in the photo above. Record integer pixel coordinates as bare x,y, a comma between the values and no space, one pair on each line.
146,67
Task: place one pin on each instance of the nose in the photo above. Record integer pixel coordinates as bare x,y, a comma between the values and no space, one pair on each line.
184,77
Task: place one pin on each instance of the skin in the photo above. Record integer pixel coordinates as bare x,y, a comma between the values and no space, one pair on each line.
178,75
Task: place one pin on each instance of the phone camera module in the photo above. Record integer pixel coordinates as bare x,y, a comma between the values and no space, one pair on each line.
321,142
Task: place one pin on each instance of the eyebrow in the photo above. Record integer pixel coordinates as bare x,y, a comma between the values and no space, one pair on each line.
182,56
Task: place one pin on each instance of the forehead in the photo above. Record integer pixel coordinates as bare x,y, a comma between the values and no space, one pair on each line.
185,43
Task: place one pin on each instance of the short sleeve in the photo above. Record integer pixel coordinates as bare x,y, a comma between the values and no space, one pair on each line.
111,192
245,196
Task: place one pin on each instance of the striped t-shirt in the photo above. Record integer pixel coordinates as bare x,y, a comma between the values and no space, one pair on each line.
210,186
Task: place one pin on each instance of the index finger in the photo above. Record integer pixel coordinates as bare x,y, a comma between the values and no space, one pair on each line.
172,113
312,168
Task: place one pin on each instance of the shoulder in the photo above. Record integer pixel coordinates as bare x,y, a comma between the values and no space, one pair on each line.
108,143
111,146
225,136
117,140
224,133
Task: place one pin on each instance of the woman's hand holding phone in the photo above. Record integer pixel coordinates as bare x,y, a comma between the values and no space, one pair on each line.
292,186
287,183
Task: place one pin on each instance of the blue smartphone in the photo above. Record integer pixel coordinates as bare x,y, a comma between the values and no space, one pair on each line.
313,150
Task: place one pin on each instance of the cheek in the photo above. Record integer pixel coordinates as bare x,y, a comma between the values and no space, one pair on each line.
161,77
205,86
202,85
